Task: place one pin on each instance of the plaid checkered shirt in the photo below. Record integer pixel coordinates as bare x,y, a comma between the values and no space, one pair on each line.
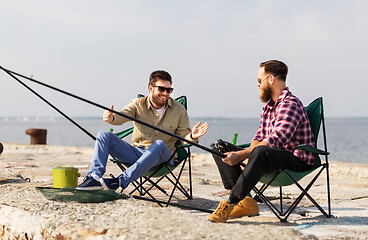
285,124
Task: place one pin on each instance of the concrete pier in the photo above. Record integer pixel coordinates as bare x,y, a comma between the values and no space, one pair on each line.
26,214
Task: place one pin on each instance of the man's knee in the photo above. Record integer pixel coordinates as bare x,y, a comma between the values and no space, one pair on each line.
259,150
159,146
103,134
264,157
259,155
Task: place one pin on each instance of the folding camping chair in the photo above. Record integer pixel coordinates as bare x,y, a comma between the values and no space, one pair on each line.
156,174
284,177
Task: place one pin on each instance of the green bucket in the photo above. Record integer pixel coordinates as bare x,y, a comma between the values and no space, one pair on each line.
65,177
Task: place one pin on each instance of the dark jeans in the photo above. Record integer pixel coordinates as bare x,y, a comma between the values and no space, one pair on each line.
262,160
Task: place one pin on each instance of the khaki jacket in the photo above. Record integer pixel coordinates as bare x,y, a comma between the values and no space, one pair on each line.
174,119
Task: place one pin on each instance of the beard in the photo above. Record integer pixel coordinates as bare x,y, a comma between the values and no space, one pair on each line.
158,101
265,94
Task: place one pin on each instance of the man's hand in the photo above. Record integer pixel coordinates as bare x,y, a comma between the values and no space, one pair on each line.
108,116
232,158
198,130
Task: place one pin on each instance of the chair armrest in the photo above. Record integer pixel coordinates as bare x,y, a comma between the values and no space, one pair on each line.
124,133
311,149
304,147
185,145
244,145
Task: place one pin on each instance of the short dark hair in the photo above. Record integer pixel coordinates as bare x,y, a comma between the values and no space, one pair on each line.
276,68
159,74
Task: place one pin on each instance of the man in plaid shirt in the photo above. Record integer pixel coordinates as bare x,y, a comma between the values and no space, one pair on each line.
284,125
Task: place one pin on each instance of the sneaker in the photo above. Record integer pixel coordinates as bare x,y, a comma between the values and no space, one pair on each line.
222,212
246,207
110,183
89,183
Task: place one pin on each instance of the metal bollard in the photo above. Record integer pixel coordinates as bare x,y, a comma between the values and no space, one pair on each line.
38,136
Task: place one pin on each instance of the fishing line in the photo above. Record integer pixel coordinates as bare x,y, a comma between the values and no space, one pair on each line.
51,105
11,73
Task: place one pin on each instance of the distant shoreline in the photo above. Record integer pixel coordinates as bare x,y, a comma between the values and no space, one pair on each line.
22,146
60,131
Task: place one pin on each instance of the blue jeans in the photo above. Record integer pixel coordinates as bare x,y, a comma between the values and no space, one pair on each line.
142,159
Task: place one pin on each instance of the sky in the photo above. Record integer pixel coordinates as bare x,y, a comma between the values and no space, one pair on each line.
104,51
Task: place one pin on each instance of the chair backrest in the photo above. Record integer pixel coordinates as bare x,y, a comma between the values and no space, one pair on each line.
183,101
315,113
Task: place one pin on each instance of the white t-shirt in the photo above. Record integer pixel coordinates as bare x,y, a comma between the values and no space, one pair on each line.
160,111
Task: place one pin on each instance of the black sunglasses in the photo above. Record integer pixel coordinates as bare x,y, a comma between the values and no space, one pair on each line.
261,80
163,89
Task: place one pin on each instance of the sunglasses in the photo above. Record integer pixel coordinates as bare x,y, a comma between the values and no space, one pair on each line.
260,80
163,89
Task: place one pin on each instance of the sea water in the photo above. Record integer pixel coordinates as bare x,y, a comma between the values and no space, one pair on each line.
346,137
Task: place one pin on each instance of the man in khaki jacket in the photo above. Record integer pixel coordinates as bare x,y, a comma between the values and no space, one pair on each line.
149,147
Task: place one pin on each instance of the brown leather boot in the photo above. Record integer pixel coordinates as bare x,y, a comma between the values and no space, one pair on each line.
246,207
222,212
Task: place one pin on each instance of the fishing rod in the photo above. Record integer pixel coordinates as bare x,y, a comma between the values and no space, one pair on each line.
12,73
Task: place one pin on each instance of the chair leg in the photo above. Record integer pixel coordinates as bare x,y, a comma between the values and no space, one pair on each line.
281,207
190,175
140,190
155,184
139,184
305,191
326,165
177,183
122,168
140,187
328,191
265,200
268,203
